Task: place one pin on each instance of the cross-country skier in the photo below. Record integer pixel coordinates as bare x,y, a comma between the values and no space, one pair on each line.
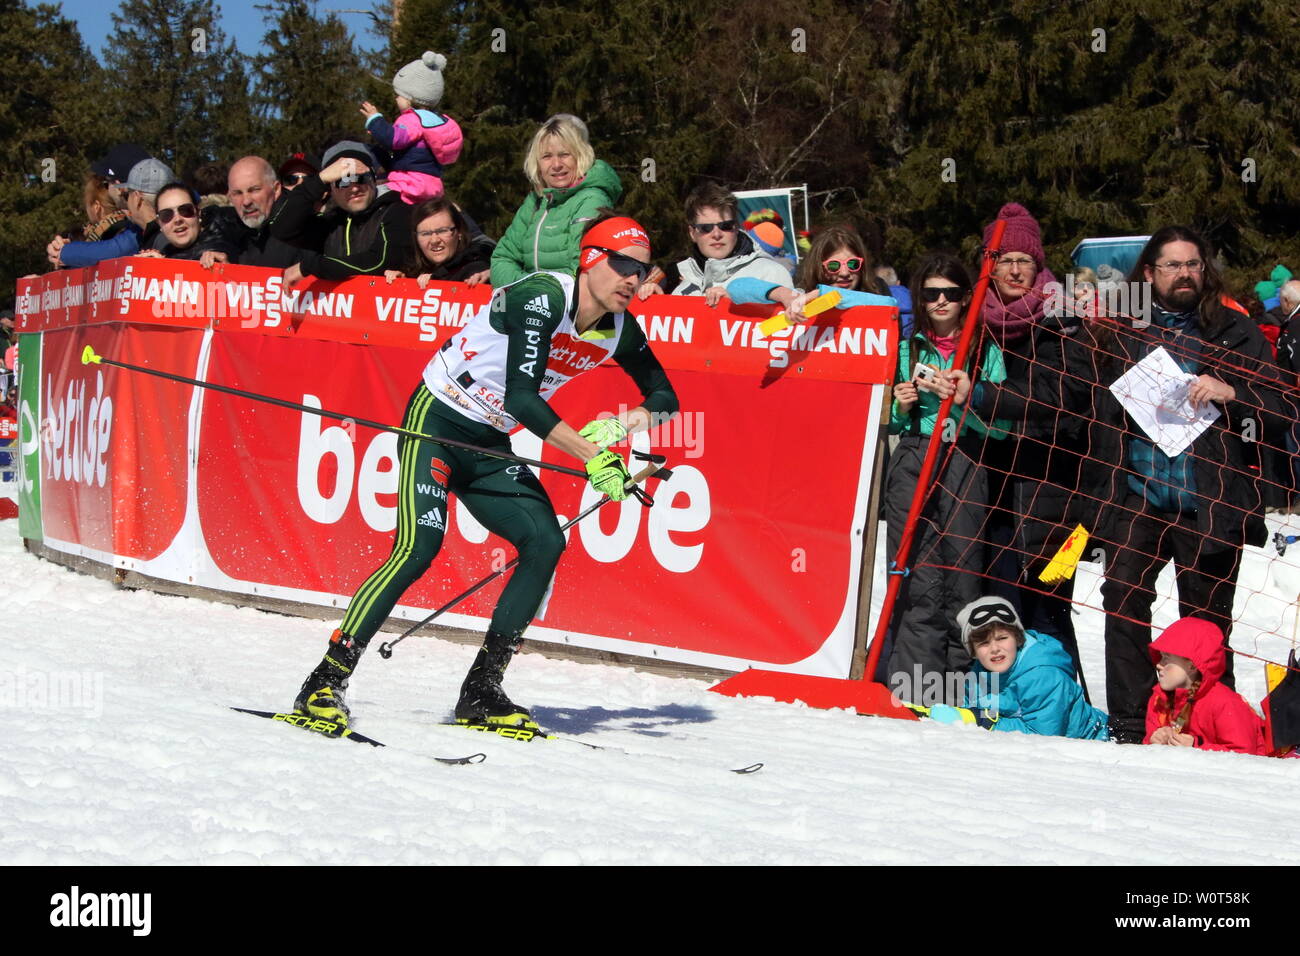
535,335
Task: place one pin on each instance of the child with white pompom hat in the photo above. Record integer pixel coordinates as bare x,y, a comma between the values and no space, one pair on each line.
421,141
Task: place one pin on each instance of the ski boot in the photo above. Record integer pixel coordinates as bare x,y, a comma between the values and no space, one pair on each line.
322,692
482,701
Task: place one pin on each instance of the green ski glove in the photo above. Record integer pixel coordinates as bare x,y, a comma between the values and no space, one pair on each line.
604,432
607,474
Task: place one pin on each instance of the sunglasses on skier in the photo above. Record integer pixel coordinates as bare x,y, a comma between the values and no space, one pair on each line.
625,265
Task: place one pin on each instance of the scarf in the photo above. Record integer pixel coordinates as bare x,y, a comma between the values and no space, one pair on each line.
1014,319
96,232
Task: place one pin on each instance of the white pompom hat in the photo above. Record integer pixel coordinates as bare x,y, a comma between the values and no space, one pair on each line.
420,81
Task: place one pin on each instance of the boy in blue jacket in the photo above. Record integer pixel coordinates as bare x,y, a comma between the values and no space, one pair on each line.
1020,680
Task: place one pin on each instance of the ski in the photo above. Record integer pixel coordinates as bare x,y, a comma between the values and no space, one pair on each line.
529,734
333,729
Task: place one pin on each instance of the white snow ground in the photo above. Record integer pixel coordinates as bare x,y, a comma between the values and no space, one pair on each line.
117,747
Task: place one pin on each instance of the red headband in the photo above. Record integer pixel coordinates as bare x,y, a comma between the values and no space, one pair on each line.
616,233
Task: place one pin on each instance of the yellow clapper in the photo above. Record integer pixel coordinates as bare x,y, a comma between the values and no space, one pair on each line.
1066,559
827,300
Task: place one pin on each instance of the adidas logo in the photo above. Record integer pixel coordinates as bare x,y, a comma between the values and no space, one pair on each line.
539,304
431,519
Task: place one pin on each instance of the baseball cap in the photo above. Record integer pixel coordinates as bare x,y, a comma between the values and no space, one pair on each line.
297,163
119,160
149,176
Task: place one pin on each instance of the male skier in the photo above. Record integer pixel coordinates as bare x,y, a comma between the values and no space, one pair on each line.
535,335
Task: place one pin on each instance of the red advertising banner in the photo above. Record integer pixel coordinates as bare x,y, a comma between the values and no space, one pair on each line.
290,498
747,552
854,345
750,555
114,445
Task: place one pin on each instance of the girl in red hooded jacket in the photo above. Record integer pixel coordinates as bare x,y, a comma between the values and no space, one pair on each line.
1188,706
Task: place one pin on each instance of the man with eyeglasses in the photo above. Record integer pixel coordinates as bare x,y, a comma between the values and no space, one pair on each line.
364,234
143,183
499,371
724,251
1196,509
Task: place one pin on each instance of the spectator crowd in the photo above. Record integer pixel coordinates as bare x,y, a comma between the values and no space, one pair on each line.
1036,443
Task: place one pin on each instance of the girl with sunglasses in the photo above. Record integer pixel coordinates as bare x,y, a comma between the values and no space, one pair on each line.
838,261
186,233
947,554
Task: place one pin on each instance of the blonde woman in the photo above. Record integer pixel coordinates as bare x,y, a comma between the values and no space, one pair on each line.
569,186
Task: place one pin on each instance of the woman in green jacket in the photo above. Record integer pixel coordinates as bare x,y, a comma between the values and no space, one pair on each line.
569,186
948,550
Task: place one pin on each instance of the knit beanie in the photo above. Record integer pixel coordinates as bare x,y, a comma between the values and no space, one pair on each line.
1022,233
985,612
350,149
420,81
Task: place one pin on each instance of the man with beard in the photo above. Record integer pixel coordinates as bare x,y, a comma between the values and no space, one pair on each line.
254,191
1197,508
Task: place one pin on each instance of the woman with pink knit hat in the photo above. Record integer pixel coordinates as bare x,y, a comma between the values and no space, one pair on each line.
1016,299
1032,473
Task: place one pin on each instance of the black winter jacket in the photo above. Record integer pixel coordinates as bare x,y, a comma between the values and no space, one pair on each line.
340,245
1232,349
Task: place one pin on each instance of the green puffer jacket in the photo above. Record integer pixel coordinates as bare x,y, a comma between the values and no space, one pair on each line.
545,232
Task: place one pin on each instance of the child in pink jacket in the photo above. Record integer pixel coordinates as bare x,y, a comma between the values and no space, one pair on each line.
1188,706
420,140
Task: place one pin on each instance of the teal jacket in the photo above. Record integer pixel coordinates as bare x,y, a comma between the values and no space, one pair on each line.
1038,695
544,235
921,418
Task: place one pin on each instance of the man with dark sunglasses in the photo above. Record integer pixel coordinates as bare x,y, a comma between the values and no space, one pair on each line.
499,371
724,251
365,233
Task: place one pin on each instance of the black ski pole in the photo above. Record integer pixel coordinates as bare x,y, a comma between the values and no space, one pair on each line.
653,471
88,356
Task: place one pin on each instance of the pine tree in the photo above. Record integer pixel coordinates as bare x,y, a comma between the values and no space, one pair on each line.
170,65
1103,118
308,82
52,125
236,131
